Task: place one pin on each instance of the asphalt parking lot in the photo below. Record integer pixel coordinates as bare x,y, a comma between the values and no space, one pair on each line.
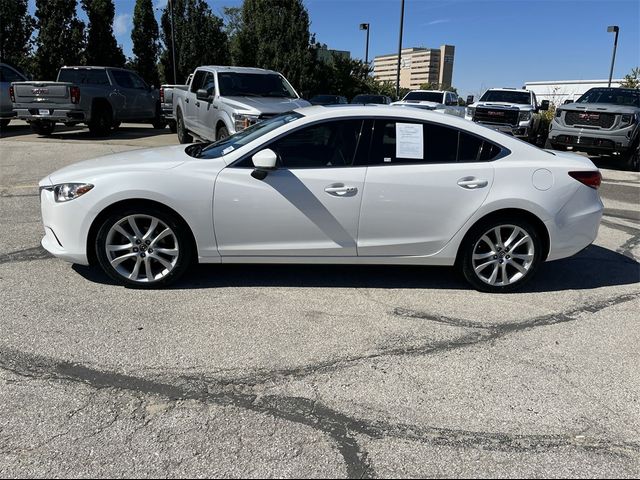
311,371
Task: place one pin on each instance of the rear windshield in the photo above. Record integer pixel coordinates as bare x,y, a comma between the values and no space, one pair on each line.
522,98
234,84
84,76
615,96
424,96
242,138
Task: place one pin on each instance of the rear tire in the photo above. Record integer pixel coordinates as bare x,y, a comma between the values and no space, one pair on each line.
44,128
183,134
101,122
500,255
4,123
156,247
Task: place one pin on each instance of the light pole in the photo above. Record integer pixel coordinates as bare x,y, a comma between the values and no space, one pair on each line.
616,29
365,26
173,44
399,50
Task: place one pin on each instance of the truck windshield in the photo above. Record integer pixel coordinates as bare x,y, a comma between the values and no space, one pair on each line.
615,96
506,96
233,84
424,96
242,138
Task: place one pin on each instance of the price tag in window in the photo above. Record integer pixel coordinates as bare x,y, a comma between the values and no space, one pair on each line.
409,140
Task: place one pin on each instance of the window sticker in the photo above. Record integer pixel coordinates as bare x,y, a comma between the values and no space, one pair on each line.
409,141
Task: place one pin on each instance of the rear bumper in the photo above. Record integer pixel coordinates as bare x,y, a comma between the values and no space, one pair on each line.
55,115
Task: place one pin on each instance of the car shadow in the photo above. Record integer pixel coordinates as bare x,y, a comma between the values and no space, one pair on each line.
81,132
594,267
14,130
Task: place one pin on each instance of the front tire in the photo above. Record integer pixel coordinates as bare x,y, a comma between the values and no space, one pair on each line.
632,158
143,247
183,134
222,132
501,255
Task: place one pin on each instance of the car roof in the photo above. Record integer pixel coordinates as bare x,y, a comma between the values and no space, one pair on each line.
434,91
507,89
227,68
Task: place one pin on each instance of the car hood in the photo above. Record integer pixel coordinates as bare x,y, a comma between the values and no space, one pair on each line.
505,105
600,107
133,160
264,105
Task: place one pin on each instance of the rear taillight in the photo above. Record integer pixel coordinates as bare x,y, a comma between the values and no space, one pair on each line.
590,179
12,94
75,94
162,95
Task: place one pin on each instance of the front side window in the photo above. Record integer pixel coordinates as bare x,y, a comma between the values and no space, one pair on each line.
402,142
198,80
137,82
329,144
122,78
209,84
9,75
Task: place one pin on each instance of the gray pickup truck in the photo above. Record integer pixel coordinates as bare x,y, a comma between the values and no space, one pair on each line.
220,101
601,121
100,97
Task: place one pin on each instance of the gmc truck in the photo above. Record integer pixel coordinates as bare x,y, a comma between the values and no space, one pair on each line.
220,101
601,121
437,100
100,97
511,111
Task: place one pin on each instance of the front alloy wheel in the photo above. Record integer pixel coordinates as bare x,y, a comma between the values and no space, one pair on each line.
143,248
501,256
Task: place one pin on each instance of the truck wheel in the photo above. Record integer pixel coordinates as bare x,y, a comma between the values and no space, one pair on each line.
222,133
632,158
43,128
116,126
101,122
4,123
172,126
183,134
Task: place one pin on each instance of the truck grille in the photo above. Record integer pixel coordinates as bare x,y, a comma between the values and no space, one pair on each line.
497,116
590,119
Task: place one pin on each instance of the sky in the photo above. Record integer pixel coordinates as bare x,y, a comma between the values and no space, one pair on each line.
499,43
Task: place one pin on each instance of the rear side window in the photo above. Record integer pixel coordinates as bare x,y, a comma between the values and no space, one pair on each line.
84,76
408,142
9,75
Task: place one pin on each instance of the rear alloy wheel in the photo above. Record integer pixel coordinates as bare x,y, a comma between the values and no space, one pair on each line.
183,134
44,128
143,247
501,255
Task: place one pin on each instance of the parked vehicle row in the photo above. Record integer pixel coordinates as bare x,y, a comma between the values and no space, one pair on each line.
435,100
8,75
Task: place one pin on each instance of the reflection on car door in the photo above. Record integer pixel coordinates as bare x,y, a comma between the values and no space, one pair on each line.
309,206
418,195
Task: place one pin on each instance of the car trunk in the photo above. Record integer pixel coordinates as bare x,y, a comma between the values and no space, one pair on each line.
42,92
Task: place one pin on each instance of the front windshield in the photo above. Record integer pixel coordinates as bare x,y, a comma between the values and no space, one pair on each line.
615,96
506,96
233,84
242,138
424,96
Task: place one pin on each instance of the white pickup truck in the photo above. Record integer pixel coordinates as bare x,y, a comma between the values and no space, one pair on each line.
219,101
437,100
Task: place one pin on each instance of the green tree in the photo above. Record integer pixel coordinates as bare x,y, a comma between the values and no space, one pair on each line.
145,39
102,48
632,80
274,34
232,17
199,38
16,27
60,39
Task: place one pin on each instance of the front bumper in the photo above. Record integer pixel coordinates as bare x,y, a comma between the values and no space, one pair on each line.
54,115
591,140
66,227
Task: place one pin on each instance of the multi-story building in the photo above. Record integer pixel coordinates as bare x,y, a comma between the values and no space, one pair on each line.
417,66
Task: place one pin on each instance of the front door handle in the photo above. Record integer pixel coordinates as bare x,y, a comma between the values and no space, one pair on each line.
341,190
197,104
472,183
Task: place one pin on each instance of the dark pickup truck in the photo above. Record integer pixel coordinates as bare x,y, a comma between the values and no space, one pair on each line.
100,97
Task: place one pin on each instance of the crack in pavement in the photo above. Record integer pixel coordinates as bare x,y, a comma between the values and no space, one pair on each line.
341,428
25,255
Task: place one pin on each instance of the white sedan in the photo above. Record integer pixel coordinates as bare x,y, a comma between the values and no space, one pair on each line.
340,185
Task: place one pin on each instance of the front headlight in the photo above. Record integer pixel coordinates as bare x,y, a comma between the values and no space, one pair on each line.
627,119
69,191
243,120
525,116
470,111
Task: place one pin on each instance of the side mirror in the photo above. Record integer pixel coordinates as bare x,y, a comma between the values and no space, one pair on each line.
264,161
469,99
544,105
202,94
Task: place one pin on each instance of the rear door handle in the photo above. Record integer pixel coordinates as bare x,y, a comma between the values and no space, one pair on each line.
472,183
197,104
340,190
186,100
